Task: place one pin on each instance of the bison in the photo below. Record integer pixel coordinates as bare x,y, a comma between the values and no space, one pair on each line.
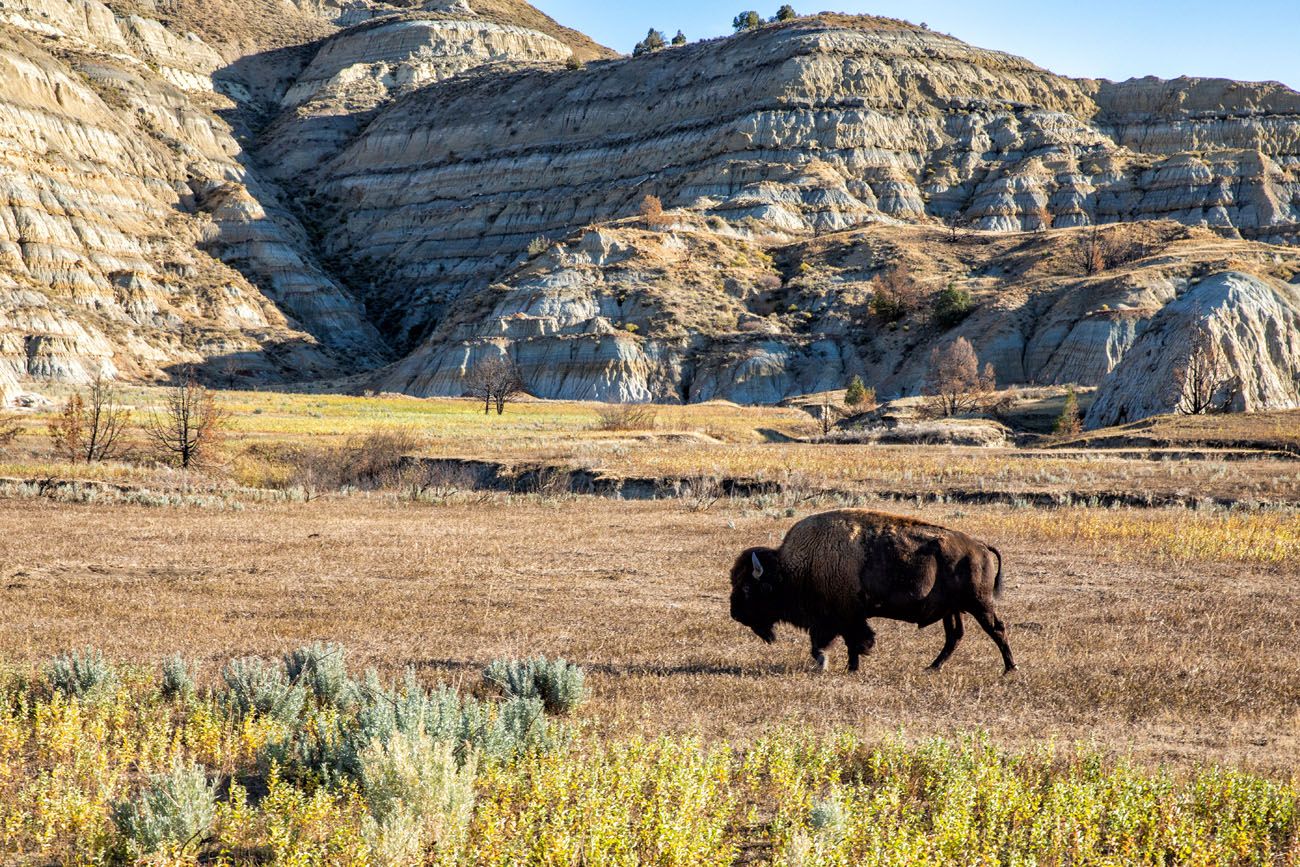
836,570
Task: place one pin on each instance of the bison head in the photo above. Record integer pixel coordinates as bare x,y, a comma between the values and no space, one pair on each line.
755,593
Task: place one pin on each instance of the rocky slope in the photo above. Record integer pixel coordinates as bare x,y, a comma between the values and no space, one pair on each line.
685,308
292,189
817,125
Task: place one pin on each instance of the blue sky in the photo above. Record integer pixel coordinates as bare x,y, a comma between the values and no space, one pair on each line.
1253,40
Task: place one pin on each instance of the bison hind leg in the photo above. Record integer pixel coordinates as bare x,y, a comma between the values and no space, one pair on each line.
860,641
952,635
997,630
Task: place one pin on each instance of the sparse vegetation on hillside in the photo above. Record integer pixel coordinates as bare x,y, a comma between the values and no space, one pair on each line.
747,20
654,41
952,306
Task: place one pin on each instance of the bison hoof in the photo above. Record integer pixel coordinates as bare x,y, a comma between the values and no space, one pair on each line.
819,661
1010,669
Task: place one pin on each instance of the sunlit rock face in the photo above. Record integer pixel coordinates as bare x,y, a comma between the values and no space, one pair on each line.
301,189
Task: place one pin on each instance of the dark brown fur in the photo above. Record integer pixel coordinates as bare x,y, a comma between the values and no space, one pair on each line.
836,570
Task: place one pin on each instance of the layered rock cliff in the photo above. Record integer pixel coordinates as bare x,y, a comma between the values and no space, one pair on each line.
683,308
817,125
291,189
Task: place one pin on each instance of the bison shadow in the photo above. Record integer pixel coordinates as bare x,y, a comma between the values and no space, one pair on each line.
614,670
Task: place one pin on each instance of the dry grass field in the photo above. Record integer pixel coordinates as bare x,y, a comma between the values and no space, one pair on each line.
1170,636
1161,643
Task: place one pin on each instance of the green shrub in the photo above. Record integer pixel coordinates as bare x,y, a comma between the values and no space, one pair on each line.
78,675
858,395
176,679
557,683
172,813
256,685
747,20
322,668
952,306
1070,421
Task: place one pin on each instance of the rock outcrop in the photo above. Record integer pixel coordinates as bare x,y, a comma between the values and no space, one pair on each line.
817,125
683,308
1253,321
294,189
132,238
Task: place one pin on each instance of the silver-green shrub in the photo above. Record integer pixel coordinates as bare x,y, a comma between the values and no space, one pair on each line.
254,685
559,684
173,813
78,675
176,679
322,668
419,791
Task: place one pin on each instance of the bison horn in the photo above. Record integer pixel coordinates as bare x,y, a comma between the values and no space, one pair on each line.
758,565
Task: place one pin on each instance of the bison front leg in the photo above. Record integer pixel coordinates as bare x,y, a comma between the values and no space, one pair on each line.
997,630
820,639
859,641
952,634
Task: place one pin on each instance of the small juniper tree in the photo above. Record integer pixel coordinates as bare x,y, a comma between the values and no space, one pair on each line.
747,20
1070,422
858,395
952,306
680,38
654,40
785,13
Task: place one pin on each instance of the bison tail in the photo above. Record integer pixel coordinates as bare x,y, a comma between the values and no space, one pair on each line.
997,581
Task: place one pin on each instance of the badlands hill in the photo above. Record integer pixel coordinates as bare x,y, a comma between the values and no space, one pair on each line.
285,190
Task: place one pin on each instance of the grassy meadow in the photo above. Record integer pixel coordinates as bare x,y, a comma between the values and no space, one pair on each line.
1156,718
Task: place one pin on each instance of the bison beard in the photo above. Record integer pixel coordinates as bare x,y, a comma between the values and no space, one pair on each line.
835,570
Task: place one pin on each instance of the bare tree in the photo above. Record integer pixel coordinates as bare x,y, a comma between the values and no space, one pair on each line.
827,415
1096,250
955,382
897,294
1203,382
10,428
91,428
653,210
189,426
494,381
953,220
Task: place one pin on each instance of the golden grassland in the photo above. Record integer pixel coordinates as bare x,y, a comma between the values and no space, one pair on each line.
714,440
1156,718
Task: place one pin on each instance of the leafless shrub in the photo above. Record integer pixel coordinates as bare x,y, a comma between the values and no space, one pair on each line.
652,209
1097,250
190,426
1203,382
955,383
897,294
494,381
627,416
701,492
90,428
551,483
374,460
10,428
